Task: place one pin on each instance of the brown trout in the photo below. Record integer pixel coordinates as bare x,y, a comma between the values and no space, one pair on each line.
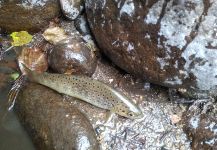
88,90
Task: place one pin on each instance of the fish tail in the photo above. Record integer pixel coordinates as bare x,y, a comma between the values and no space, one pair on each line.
29,73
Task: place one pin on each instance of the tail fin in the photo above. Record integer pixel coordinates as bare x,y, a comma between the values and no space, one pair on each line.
29,73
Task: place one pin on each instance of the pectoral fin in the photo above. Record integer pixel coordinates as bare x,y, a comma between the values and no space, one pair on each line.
109,116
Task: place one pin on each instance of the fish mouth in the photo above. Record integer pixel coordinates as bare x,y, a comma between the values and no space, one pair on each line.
140,116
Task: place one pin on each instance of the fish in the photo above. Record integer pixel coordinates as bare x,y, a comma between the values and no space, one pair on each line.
89,90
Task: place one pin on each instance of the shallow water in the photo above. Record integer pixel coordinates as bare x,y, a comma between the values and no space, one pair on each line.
12,134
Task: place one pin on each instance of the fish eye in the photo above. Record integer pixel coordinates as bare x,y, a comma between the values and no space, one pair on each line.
130,114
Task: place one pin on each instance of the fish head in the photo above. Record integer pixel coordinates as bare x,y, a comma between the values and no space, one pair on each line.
126,107
135,115
132,111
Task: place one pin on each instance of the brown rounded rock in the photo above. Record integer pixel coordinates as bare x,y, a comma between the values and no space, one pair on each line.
171,43
72,55
3,82
27,15
201,129
52,122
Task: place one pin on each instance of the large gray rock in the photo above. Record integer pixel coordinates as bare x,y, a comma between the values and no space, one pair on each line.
16,15
52,122
172,43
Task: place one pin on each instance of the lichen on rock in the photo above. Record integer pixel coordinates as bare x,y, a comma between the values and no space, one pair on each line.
171,43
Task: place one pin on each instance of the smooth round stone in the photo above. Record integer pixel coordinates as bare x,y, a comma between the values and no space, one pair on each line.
72,55
27,15
52,122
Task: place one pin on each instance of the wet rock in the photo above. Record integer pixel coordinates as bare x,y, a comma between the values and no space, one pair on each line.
201,129
27,15
7,68
171,43
79,28
81,25
71,8
4,80
34,58
52,122
72,55
69,27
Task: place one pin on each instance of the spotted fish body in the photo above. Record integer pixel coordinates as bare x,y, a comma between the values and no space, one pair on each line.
89,90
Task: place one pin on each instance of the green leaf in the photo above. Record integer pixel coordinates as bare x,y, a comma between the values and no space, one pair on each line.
20,38
14,76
